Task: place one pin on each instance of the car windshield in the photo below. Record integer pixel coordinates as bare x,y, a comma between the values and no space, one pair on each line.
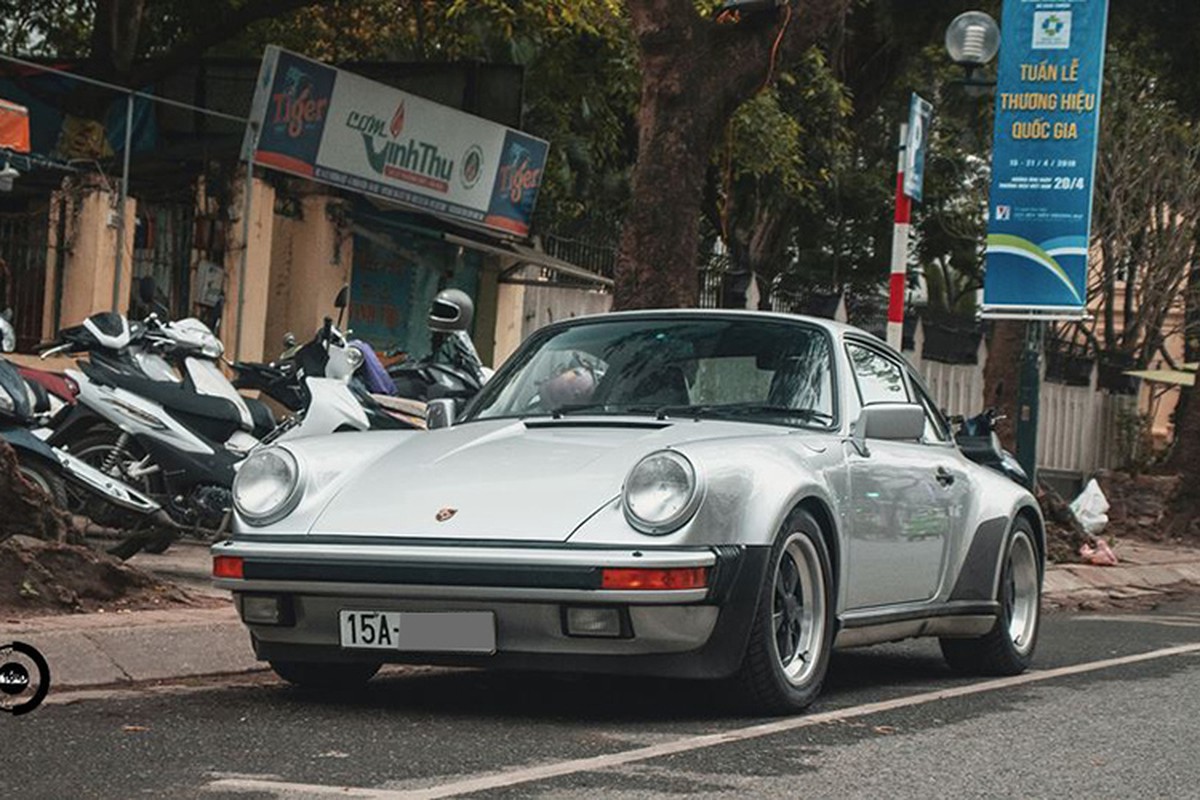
754,369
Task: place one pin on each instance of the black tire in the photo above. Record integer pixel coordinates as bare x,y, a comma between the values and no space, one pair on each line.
92,448
326,676
44,476
771,683
1007,649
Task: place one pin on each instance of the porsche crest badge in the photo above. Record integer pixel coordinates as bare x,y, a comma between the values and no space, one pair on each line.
445,514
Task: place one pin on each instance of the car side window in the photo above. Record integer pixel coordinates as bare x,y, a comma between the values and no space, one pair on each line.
937,431
879,379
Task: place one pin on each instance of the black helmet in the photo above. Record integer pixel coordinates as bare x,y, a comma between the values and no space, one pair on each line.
452,311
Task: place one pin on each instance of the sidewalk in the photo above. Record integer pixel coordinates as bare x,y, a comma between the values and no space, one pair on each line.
104,649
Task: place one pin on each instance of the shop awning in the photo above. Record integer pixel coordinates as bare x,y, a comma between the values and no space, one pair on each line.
522,255
1174,377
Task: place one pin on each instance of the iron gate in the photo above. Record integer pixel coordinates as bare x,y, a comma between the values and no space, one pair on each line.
24,246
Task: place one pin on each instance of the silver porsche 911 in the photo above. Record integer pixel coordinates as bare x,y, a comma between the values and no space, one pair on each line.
702,494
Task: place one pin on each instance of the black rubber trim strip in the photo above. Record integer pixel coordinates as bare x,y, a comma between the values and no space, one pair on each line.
952,609
533,577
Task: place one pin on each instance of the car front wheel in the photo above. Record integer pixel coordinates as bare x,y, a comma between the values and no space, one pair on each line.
1007,649
792,633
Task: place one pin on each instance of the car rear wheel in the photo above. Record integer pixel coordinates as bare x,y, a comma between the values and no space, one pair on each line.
792,634
327,676
1007,649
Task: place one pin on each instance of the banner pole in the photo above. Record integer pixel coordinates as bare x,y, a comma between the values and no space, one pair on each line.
900,234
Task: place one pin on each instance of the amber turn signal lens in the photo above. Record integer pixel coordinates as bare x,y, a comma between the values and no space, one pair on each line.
655,579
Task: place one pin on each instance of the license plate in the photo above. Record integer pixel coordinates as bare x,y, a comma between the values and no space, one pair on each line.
420,631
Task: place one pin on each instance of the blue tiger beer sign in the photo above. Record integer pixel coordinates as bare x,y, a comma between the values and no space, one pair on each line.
335,127
1044,159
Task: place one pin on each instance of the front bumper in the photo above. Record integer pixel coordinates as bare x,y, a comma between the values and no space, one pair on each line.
682,633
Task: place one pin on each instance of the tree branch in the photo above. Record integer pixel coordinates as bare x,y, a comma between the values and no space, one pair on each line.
189,51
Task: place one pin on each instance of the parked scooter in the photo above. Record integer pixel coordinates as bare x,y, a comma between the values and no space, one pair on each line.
8,335
170,438
978,441
23,406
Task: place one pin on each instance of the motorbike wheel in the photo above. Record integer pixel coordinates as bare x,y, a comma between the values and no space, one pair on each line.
100,449
44,476
103,450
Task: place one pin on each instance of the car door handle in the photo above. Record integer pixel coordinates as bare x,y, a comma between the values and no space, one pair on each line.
944,476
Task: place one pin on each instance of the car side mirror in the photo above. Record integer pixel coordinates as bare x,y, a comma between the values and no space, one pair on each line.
439,413
895,422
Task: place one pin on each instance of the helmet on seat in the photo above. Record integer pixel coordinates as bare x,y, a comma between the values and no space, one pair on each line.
452,311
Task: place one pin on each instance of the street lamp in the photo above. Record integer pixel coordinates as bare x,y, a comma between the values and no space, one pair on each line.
972,40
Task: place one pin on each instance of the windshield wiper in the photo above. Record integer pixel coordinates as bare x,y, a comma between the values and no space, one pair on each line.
744,409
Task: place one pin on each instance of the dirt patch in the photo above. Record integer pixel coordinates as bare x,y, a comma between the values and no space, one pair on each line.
25,509
39,577
1140,505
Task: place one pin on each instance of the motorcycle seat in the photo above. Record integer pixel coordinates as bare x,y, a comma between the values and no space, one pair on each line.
214,417
264,419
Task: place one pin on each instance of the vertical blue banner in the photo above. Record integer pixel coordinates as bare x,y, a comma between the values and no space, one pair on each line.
920,120
1044,160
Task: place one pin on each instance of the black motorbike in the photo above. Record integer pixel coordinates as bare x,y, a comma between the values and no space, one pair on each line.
24,407
977,439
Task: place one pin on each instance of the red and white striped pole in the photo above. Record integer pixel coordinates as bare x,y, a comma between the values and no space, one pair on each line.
899,281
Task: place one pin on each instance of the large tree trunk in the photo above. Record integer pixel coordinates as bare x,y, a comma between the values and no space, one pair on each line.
1002,376
695,74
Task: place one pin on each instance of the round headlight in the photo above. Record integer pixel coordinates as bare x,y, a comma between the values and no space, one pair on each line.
661,493
267,486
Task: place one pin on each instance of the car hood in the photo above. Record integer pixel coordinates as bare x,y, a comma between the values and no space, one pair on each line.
504,479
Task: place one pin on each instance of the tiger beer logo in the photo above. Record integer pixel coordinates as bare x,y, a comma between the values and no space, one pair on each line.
518,176
296,108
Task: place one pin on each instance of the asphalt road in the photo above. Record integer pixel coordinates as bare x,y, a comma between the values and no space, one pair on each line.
893,722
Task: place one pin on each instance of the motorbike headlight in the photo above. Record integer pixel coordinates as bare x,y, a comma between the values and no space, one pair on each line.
267,486
6,402
354,357
662,492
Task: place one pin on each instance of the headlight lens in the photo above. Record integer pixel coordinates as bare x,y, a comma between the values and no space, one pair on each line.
355,357
661,493
6,402
267,486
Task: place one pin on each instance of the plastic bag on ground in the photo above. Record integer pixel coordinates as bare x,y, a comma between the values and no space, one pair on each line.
1091,508
1098,554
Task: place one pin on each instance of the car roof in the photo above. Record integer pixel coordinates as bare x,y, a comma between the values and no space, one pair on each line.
838,329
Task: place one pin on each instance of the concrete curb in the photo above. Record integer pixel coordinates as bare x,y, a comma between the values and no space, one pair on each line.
89,650
129,647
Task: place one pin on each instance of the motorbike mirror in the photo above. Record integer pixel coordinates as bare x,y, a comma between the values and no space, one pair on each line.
7,314
342,299
289,339
439,413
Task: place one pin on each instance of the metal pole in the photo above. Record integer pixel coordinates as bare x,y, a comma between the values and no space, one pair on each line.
900,234
247,208
116,293
1029,397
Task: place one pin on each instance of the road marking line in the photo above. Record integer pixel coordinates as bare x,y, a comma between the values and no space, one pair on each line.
504,779
1172,621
